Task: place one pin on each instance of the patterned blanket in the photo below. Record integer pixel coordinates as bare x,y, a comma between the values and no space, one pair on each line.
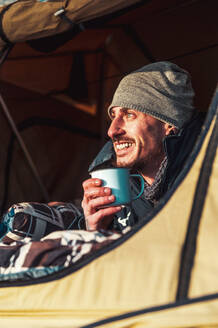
24,256
57,250
36,220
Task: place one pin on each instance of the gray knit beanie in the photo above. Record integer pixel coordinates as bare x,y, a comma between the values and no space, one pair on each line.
162,90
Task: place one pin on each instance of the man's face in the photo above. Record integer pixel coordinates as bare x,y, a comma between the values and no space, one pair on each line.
137,139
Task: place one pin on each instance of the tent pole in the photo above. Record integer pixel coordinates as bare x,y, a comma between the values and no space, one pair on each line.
100,105
24,149
4,54
101,98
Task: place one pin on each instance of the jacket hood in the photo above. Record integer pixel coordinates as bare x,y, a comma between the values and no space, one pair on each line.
104,157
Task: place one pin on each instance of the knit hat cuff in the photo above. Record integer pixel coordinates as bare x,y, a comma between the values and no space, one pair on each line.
139,108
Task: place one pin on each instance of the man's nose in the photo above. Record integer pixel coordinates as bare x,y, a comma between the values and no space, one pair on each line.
116,128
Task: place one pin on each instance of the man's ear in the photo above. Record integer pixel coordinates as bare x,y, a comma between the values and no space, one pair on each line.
170,130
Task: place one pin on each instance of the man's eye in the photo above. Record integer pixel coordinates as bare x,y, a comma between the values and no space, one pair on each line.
112,115
130,115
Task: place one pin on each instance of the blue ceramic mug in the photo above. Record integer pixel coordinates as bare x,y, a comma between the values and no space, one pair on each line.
118,180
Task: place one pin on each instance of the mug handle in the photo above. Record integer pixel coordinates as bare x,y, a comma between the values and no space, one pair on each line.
142,185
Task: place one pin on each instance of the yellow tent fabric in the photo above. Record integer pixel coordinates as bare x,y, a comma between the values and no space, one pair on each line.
142,271
199,315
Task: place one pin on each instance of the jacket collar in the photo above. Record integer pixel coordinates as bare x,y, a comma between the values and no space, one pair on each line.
104,157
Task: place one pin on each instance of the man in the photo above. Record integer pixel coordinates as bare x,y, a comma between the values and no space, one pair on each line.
153,129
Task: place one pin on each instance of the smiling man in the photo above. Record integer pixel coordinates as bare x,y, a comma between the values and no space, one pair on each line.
138,141
153,129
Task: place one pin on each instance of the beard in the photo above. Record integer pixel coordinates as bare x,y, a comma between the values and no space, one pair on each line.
141,165
134,163
139,159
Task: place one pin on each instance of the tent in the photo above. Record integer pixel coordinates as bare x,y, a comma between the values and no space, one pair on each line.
159,274
57,88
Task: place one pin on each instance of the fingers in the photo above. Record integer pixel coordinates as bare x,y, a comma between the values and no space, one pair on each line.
89,183
95,198
97,192
102,218
100,202
92,204
93,190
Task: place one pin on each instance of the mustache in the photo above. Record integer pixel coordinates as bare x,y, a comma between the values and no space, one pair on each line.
121,139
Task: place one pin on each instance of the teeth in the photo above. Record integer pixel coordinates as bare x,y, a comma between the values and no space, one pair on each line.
123,145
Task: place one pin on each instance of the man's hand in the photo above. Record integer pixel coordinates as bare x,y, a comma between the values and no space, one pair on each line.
95,197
